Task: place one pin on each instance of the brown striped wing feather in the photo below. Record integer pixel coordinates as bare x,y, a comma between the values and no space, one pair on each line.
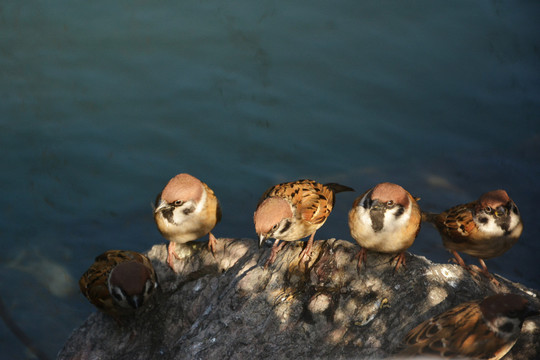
312,200
316,203
458,332
457,222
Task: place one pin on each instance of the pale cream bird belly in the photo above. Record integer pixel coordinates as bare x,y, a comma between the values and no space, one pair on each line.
395,236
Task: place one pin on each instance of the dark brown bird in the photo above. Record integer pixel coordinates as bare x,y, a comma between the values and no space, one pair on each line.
485,329
119,282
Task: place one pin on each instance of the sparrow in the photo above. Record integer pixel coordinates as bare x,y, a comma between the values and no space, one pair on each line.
293,210
385,219
482,329
485,228
186,210
119,282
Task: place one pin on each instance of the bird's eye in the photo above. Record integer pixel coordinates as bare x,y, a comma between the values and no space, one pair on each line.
118,294
274,228
178,203
488,209
390,203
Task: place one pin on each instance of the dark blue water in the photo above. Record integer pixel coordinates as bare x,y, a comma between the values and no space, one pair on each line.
102,102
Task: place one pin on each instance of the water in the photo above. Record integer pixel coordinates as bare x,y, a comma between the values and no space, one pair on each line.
103,102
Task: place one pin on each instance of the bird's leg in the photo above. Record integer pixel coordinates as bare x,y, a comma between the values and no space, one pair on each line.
307,249
401,260
362,258
486,273
171,253
459,260
212,243
484,268
273,253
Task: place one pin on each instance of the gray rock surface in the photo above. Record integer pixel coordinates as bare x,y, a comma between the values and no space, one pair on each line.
230,307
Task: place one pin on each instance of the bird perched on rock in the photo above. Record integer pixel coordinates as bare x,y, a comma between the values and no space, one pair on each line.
119,282
485,329
385,219
293,210
186,210
485,228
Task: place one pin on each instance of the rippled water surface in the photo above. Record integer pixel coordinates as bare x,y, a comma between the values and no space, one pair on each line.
102,102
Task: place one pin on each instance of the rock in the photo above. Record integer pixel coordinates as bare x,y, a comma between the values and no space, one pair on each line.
229,306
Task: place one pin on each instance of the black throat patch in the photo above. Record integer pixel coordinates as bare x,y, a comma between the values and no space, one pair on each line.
168,214
377,219
504,221
504,224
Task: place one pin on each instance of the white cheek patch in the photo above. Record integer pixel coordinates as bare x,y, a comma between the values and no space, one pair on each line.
505,327
393,223
201,204
490,227
118,296
179,213
363,216
514,222
284,226
186,211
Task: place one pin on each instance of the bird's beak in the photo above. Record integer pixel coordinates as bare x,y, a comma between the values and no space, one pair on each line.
160,205
500,211
376,205
262,239
136,301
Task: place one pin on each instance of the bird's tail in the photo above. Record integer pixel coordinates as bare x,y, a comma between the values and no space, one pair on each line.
337,188
428,216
